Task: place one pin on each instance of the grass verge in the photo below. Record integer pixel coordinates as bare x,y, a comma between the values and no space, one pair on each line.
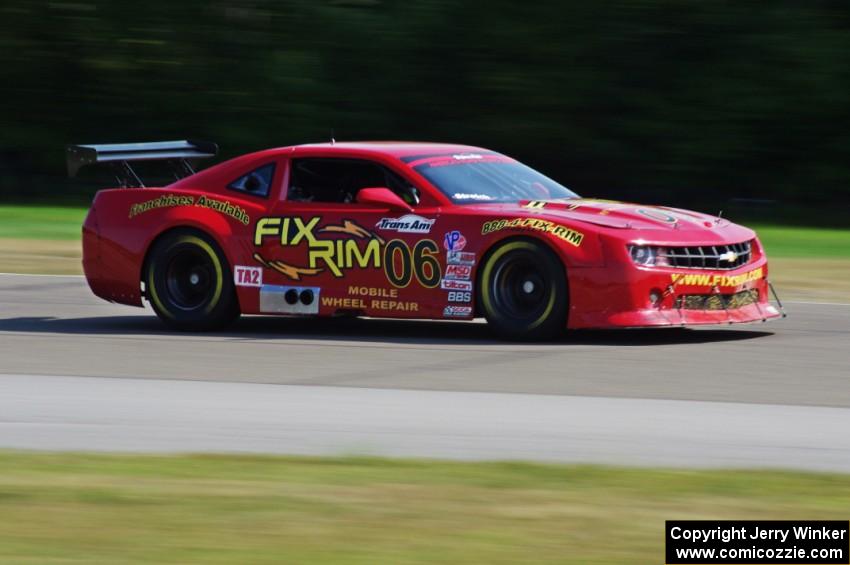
241,509
804,243
41,223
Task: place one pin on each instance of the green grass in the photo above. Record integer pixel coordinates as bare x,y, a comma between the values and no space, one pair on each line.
231,509
780,241
44,222
41,222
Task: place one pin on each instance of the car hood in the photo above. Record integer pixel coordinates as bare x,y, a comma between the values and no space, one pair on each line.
633,222
614,214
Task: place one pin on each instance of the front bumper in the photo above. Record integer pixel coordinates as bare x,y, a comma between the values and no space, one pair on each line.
620,296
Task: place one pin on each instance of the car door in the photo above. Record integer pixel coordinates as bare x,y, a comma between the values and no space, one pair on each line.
325,253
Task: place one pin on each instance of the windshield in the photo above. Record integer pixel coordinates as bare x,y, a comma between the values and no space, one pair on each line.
476,177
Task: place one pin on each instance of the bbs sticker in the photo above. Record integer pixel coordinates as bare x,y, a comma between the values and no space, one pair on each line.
247,276
459,296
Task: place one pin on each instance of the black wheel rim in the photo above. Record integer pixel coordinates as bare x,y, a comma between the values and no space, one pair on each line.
189,277
519,287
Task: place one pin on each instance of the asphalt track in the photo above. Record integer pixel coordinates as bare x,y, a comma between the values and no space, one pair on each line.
78,373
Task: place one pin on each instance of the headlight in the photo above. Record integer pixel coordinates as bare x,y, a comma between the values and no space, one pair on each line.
649,256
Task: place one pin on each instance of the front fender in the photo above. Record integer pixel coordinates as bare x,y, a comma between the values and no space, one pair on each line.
575,246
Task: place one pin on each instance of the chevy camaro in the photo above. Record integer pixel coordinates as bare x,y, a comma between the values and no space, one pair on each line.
404,230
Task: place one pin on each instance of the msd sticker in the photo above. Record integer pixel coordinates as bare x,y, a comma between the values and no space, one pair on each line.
457,311
247,276
458,272
454,241
456,285
460,258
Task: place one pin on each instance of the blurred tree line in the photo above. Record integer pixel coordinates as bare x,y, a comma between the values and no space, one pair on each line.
672,101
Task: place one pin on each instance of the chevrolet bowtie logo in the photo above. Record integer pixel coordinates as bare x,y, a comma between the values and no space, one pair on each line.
729,256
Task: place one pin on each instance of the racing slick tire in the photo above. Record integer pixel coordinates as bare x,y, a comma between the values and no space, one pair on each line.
523,291
188,282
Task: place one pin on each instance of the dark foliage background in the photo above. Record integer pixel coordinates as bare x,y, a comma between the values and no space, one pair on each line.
685,102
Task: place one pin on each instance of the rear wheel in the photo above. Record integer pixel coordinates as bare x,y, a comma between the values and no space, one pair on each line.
523,291
188,282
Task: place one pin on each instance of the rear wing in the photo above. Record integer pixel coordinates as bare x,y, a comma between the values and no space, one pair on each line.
176,153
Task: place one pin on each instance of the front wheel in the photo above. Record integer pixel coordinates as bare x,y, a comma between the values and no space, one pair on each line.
188,282
523,291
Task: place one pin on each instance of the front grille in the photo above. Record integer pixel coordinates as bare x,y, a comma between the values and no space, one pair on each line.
710,256
717,301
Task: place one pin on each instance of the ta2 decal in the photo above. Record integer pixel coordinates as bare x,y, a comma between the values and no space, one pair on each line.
247,276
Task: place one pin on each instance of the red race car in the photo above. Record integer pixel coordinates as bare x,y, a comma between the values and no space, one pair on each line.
405,230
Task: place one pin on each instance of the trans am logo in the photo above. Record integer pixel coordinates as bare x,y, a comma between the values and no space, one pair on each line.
410,223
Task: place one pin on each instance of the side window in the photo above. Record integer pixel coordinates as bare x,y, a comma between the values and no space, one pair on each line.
257,182
339,180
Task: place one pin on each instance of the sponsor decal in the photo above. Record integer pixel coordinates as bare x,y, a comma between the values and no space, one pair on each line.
454,241
569,204
460,296
460,258
571,236
458,272
410,223
702,279
394,305
657,215
224,207
457,311
247,276
171,200
536,204
460,159
359,248
338,248
358,303
385,299
471,196
449,284
164,201
373,292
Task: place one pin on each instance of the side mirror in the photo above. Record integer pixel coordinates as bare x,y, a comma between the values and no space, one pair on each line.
382,197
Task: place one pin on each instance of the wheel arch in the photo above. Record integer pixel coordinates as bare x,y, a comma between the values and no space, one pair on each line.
495,245
183,228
